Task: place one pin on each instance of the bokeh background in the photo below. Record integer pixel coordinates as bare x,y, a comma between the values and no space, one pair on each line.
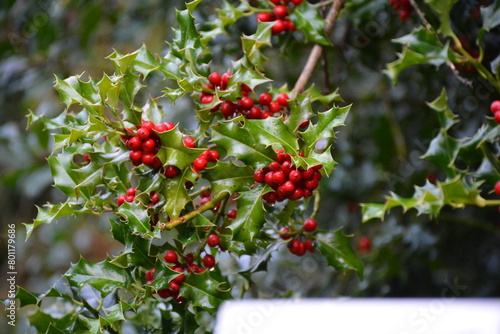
378,150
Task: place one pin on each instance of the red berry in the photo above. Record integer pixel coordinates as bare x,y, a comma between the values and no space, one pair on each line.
278,178
150,274
131,192
287,167
294,246
174,286
189,258
246,103
280,11
270,197
213,240
264,17
497,117
254,113
283,233
149,146
274,107
134,144
143,134
213,156
164,293
297,194
308,174
309,245
129,199
136,156
148,159
209,261
189,142
265,114
279,26
297,2
227,108
259,176
265,99
215,79
497,188
207,99
310,225
276,2
154,197
161,127
200,164
269,178
148,125
282,99
364,244
171,256
295,176
245,89
288,186
231,214
311,184
304,124
120,199
495,106
275,166
171,171
225,80
179,279
290,26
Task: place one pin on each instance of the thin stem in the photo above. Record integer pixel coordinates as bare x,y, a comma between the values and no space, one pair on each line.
421,15
317,200
212,229
317,50
190,215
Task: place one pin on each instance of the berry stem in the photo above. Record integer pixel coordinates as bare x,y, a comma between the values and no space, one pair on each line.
212,229
199,192
190,215
317,50
317,200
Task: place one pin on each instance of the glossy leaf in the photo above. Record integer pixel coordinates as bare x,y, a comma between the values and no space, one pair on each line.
336,248
103,276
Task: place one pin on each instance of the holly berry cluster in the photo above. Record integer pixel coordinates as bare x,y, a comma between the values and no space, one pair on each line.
287,181
154,198
245,106
300,243
145,143
403,7
200,164
495,109
279,15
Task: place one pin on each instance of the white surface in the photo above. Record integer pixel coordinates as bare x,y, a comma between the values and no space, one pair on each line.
364,316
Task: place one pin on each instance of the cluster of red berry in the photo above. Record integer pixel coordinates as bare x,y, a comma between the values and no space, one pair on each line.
297,246
279,16
288,181
172,258
495,109
154,198
200,163
145,143
245,106
403,7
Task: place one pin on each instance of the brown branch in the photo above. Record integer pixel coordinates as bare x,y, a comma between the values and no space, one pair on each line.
317,50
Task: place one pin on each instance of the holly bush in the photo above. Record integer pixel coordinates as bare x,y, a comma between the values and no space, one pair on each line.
205,167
